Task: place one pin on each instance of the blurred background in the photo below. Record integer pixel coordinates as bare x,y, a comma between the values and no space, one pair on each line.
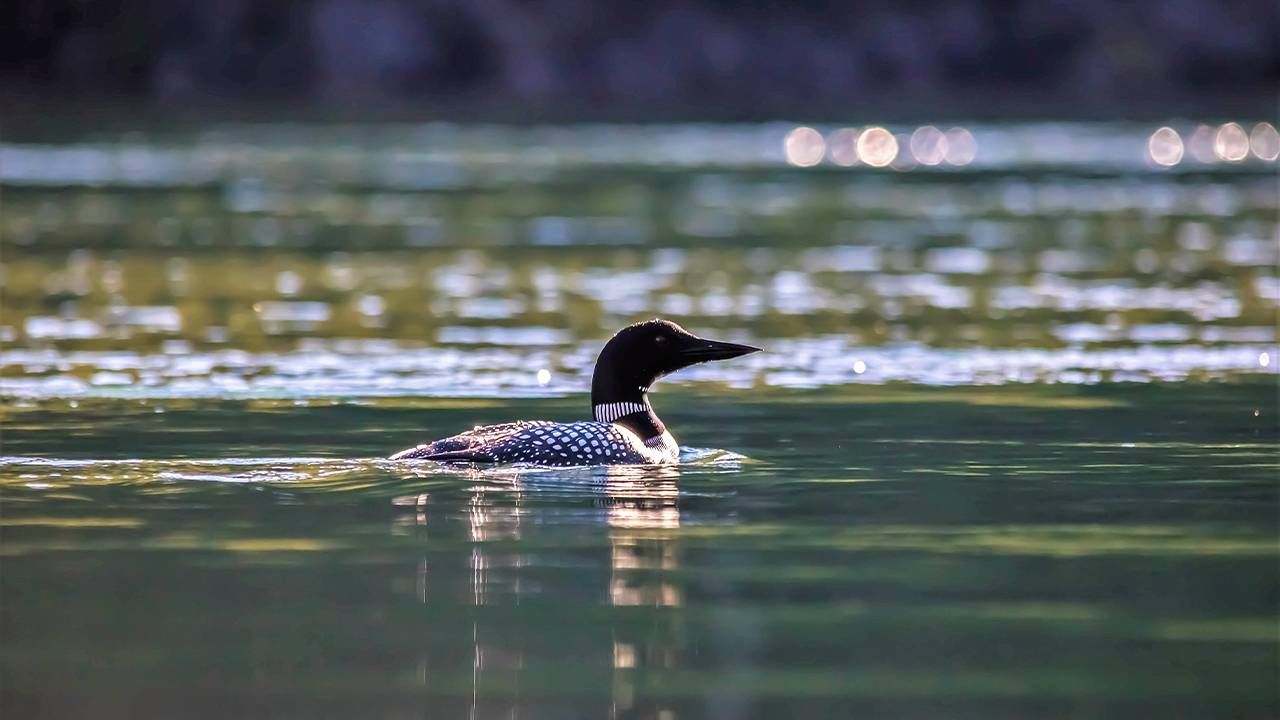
573,59
1083,178
1011,451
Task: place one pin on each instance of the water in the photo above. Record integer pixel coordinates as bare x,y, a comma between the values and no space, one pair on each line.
1012,451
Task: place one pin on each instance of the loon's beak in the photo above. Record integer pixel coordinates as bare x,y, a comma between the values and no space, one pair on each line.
701,350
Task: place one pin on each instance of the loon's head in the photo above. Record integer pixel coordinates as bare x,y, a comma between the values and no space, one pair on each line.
640,354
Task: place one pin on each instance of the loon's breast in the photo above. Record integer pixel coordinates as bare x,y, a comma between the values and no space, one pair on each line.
539,442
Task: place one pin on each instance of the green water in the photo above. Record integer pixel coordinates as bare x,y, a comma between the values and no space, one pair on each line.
1012,450
1009,552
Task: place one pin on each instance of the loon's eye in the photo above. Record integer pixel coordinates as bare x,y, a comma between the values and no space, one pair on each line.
660,340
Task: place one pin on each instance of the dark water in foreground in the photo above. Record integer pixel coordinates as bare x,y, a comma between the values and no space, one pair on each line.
901,551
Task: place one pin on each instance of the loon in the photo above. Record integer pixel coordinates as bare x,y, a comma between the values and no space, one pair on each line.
625,429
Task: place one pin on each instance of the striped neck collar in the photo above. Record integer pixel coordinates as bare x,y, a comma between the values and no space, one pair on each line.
609,412
635,414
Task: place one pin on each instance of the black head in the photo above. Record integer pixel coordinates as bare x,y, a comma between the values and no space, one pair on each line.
640,354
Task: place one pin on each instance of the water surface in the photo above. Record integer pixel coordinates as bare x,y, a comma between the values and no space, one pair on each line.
1012,452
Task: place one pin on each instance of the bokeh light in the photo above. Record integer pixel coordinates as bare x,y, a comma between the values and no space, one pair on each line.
1265,141
962,148
804,147
1200,144
1231,143
877,147
929,145
905,160
842,147
1164,147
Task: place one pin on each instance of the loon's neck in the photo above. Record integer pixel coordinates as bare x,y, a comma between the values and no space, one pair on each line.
630,409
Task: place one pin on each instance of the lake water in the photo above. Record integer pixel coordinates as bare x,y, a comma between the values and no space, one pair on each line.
1012,451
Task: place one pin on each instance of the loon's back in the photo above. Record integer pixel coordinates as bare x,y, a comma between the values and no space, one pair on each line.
542,442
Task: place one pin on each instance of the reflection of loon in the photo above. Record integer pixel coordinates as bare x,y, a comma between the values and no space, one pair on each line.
626,430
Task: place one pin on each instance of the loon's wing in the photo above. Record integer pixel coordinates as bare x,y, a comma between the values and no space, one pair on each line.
539,442
475,445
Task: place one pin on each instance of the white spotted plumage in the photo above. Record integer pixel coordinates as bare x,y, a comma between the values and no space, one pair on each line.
552,444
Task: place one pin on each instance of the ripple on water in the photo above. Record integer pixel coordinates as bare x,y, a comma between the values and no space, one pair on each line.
388,369
328,474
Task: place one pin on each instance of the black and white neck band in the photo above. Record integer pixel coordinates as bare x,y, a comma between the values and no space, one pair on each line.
608,412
